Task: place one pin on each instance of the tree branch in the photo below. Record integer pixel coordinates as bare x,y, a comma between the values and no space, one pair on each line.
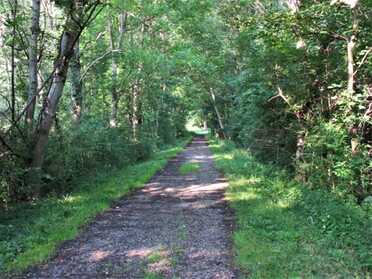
363,60
97,60
280,95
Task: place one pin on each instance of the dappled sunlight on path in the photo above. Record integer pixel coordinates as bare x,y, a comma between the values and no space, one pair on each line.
177,226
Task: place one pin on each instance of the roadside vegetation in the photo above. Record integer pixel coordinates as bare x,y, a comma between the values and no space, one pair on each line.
31,231
286,230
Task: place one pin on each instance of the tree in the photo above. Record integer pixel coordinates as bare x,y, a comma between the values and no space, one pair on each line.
115,48
76,82
33,63
78,16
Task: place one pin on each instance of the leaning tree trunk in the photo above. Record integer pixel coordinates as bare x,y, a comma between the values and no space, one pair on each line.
220,123
32,64
70,35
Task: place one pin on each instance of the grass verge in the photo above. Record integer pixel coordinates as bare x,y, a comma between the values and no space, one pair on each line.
30,232
286,230
188,167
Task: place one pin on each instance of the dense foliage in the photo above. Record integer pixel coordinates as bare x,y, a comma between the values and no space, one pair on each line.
301,90
89,85
122,98
290,81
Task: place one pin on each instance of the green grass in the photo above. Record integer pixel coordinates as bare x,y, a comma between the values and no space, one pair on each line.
152,275
287,231
201,132
154,257
188,167
30,232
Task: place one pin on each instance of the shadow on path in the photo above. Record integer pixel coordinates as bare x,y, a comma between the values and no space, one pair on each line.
177,226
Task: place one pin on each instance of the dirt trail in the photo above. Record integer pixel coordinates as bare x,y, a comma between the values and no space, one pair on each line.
177,226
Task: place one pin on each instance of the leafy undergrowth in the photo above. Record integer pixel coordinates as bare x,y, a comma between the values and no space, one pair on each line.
30,232
287,231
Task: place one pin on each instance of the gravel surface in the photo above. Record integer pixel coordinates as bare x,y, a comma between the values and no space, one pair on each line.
177,226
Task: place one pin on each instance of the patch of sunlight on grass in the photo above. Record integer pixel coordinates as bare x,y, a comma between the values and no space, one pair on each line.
243,196
245,182
275,237
226,156
283,204
70,199
267,243
188,167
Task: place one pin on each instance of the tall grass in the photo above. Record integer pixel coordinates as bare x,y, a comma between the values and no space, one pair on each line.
286,230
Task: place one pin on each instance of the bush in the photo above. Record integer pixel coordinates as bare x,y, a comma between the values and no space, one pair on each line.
330,165
90,146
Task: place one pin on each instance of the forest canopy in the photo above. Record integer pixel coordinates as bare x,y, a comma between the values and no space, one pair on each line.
87,85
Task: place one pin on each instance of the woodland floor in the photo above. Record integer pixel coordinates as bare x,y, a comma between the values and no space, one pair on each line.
176,226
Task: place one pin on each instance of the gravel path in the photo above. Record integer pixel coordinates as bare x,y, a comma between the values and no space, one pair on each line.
177,226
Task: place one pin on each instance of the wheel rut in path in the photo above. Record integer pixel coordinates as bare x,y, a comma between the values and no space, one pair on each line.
177,226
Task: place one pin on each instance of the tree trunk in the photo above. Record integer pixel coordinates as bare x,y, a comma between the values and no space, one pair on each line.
68,38
350,50
220,123
300,147
114,94
76,83
135,107
32,63
14,31
350,59
136,96
114,74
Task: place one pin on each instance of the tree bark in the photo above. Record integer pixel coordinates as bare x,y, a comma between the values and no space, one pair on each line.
220,123
76,83
350,50
300,147
114,74
114,94
136,96
32,63
350,59
135,107
14,31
